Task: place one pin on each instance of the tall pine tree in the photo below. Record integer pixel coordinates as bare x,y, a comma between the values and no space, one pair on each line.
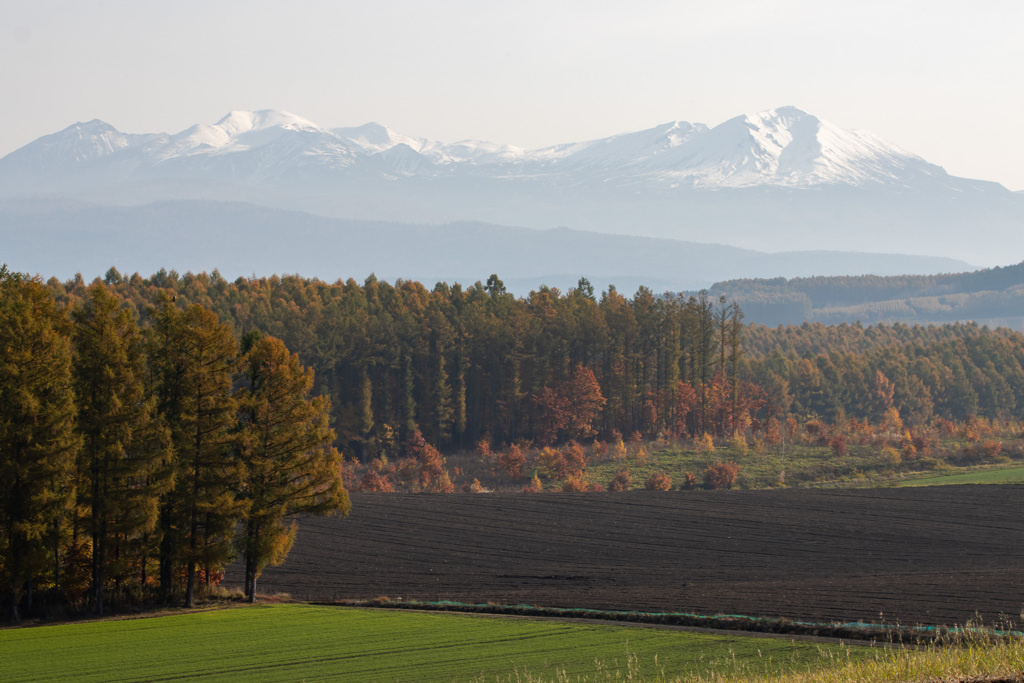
289,463
124,448
193,359
37,439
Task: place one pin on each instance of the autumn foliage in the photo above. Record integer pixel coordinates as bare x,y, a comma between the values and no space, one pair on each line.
658,481
512,461
621,481
570,407
721,475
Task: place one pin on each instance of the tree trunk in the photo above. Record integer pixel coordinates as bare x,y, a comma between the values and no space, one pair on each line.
98,579
166,550
191,585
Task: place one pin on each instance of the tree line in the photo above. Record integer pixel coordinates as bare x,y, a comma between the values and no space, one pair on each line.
461,364
137,458
990,294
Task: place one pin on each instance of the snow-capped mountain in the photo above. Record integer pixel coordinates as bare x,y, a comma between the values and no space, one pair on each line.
781,147
773,180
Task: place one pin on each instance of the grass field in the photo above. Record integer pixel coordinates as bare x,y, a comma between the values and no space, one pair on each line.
1007,475
296,642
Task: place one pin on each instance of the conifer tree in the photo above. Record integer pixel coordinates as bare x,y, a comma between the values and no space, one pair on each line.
37,439
289,465
193,357
124,448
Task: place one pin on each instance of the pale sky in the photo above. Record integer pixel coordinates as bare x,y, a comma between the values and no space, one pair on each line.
940,78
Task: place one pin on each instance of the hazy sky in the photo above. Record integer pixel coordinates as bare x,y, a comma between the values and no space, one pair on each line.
941,78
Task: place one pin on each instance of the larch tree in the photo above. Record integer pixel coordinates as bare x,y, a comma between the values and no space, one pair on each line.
194,357
289,464
37,438
124,449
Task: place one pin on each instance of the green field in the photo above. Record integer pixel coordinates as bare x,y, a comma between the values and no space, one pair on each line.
1008,475
296,642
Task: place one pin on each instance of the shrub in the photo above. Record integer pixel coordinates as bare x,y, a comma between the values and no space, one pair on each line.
773,433
889,457
892,423
441,484
738,443
475,487
431,465
704,443
659,481
922,442
375,482
689,481
620,482
619,451
574,457
990,449
512,461
535,486
574,484
408,469
599,450
552,463
721,475
971,429
414,446
838,445
909,450
945,427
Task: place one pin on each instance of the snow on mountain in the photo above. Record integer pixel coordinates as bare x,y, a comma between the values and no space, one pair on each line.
621,150
238,131
780,147
785,147
768,180
373,138
75,146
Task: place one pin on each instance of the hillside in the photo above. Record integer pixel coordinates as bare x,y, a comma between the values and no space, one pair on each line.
993,297
239,240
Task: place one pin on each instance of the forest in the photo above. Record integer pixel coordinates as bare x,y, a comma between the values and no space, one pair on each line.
461,364
993,294
153,428
140,461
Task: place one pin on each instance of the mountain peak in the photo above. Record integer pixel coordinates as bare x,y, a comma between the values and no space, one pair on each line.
783,147
241,121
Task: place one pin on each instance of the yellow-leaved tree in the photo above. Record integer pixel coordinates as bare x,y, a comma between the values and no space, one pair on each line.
289,464
37,439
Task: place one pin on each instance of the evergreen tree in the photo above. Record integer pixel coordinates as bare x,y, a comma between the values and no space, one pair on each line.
289,463
123,446
194,356
37,439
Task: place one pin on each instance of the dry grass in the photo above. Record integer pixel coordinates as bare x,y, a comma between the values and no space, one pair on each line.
997,661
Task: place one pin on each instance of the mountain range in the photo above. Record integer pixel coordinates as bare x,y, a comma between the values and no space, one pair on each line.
781,180
66,237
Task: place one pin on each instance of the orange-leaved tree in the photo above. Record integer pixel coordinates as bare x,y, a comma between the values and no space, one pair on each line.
569,408
512,461
289,465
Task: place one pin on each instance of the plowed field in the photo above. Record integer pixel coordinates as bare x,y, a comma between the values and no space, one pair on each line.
937,555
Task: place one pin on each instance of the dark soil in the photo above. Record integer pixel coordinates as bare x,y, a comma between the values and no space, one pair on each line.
941,555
